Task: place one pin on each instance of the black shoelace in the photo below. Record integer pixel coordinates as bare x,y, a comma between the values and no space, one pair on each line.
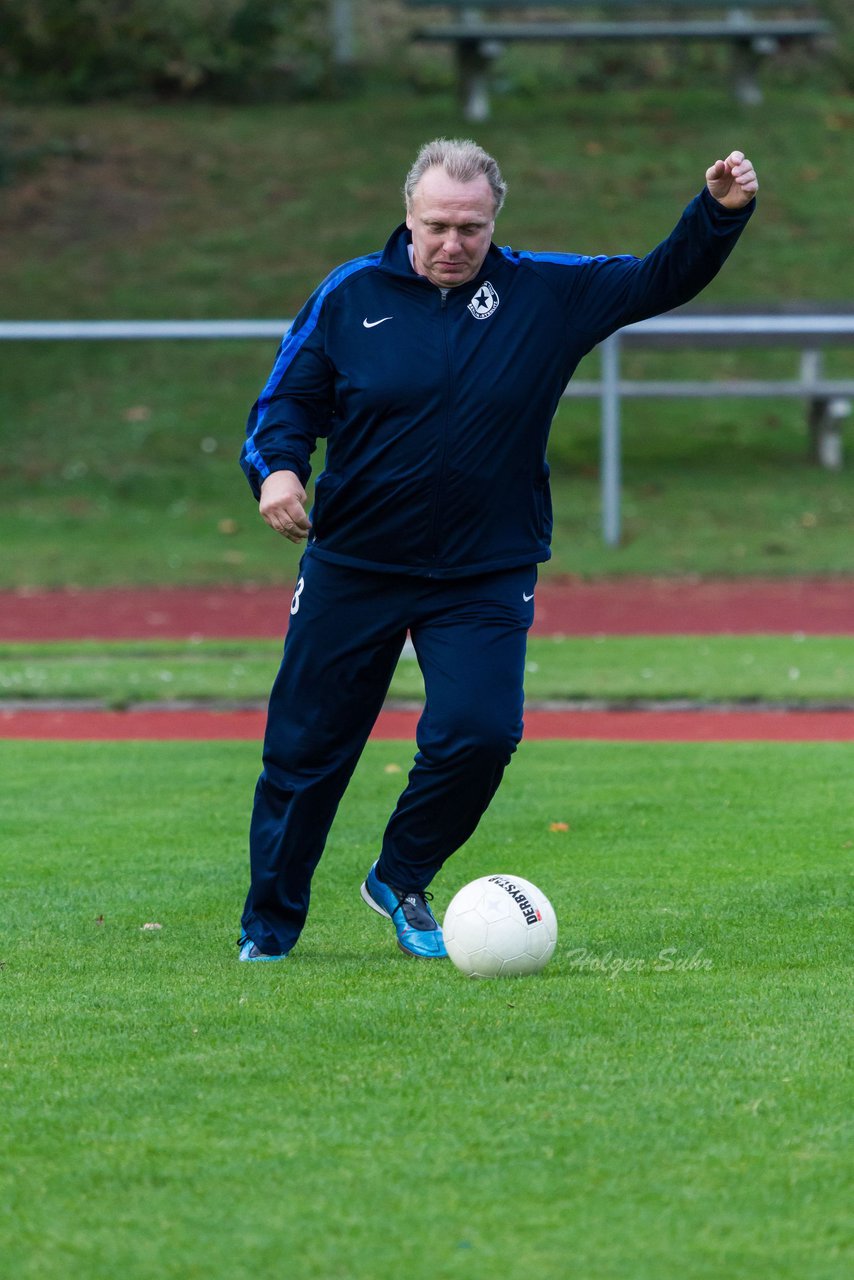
419,915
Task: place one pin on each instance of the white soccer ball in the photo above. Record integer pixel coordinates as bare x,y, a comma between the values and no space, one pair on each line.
500,926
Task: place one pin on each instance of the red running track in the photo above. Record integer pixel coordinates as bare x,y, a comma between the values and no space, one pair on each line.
637,726
626,606
632,606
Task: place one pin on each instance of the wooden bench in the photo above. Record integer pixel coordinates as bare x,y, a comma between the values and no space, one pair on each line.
482,29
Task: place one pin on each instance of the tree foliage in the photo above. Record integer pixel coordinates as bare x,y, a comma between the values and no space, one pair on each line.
82,49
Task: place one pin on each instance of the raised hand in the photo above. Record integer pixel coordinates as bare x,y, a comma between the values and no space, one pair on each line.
733,181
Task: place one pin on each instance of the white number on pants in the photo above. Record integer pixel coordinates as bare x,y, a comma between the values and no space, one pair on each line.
300,587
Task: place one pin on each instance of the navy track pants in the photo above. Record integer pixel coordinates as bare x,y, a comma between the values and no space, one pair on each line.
346,632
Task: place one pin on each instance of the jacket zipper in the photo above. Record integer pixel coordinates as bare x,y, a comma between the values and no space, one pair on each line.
443,453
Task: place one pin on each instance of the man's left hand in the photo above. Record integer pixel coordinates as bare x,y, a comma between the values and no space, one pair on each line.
733,181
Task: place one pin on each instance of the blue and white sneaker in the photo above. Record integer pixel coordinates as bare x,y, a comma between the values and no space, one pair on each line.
248,950
418,933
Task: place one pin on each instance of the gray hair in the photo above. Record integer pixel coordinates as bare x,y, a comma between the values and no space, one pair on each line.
462,160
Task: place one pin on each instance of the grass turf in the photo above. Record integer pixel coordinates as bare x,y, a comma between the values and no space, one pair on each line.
775,668
668,1098
118,463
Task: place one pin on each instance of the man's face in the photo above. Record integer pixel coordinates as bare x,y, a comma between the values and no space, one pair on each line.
451,224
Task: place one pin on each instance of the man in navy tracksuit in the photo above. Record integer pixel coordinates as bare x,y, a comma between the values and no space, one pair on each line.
433,369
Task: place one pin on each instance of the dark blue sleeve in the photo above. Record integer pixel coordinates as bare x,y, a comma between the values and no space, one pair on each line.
606,293
295,407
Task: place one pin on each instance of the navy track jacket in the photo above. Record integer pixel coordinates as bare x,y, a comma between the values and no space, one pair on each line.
436,404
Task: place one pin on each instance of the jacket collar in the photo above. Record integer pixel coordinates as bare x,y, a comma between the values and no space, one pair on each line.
395,259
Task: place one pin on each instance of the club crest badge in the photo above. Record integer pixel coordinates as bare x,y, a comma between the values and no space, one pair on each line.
484,303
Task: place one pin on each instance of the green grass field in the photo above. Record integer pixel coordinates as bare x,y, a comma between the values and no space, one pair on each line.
119,461
723,668
668,1098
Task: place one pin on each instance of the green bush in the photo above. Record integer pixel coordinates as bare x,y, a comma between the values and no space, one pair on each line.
83,49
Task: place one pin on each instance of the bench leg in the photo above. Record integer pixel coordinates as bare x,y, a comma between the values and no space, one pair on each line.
826,419
473,79
747,56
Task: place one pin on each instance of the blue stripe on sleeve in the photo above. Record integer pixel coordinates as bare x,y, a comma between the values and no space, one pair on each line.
293,341
251,457
562,259
295,338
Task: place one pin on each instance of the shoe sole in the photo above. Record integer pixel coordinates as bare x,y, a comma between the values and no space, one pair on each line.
375,906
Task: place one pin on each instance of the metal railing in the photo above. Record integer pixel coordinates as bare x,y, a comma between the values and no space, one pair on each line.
828,400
